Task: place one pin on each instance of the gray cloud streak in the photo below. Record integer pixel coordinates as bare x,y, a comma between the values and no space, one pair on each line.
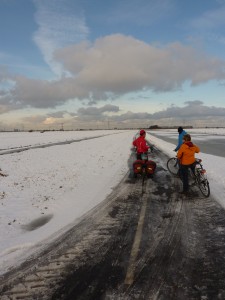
192,110
58,27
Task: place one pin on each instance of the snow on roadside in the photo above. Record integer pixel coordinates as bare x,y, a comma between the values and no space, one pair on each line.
214,165
49,189
55,186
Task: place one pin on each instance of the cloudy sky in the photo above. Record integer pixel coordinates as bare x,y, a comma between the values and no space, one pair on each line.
111,63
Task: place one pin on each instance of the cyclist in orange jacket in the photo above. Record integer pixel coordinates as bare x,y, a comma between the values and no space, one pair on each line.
186,156
141,144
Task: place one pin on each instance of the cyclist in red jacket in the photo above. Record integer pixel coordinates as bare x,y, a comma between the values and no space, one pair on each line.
141,144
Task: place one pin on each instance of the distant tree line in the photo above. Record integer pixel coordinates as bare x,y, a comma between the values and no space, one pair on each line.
167,127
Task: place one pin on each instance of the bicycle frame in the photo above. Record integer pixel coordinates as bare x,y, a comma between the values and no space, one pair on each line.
200,178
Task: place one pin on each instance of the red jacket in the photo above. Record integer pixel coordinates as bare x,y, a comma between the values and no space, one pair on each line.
141,145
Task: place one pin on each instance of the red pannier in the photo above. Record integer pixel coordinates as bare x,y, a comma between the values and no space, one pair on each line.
150,167
137,166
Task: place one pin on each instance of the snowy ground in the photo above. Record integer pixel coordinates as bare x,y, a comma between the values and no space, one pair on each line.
49,189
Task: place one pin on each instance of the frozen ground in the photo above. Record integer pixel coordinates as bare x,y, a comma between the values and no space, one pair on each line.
47,190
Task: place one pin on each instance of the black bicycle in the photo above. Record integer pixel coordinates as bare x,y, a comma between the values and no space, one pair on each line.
173,165
199,176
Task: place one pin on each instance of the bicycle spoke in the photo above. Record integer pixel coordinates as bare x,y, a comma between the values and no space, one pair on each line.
197,176
203,185
173,166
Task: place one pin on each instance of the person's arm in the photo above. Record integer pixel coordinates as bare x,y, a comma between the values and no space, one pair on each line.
197,149
180,153
179,143
146,147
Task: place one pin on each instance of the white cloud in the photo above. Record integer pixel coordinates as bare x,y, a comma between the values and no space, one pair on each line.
121,64
117,65
58,27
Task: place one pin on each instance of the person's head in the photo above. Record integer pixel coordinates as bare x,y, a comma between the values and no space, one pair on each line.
142,132
180,129
187,138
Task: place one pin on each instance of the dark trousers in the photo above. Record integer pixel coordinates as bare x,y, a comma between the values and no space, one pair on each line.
184,175
139,155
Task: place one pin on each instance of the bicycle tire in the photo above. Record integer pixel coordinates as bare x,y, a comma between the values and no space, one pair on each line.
173,166
203,185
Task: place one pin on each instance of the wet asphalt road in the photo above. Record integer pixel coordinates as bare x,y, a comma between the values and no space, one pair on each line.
214,146
145,241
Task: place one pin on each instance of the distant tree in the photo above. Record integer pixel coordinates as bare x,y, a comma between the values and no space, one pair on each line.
154,127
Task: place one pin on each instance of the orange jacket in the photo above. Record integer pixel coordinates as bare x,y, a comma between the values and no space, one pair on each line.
186,153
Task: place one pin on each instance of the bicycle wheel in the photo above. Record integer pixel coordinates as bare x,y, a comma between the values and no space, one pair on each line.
203,185
173,166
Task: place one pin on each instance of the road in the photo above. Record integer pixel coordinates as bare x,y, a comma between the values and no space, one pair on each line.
211,145
145,241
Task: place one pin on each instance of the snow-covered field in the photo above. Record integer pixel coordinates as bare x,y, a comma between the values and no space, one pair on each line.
49,189
11,140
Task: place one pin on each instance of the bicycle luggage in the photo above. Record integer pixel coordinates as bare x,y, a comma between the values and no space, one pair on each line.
147,167
150,167
138,166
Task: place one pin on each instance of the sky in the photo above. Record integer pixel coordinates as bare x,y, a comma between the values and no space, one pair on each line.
75,64
45,191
